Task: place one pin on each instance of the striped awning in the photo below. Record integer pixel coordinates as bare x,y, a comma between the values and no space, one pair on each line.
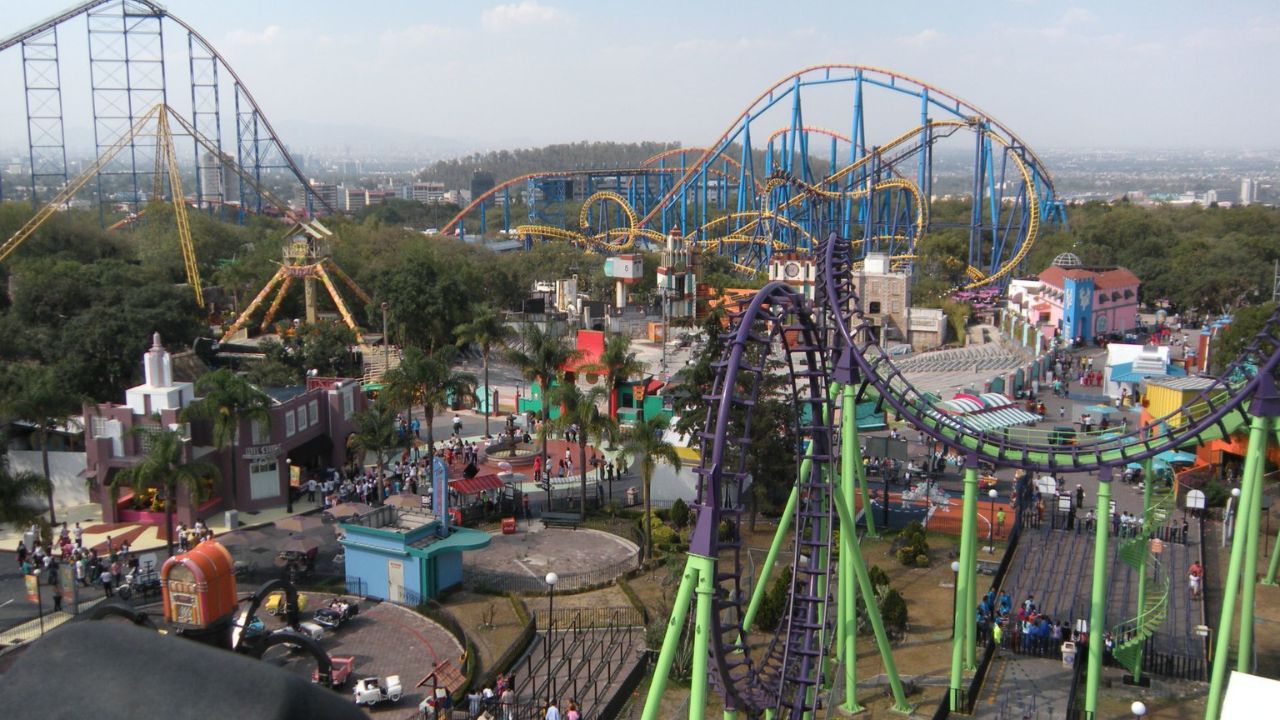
997,419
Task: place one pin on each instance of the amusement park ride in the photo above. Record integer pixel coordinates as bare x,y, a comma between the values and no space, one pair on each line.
759,189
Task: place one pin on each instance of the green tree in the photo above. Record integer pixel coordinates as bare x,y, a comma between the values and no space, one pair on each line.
376,433
541,358
167,465
642,443
1246,323
488,331
679,513
958,317
618,364
579,409
428,382
16,490
40,395
227,401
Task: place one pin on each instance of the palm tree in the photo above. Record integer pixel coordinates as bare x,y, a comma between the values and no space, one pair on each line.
40,397
376,433
166,465
488,331
618,364
16,489
426,381
542,360
227,401
580,409
642,443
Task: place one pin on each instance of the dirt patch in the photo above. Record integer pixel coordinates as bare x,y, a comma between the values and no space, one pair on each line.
489,621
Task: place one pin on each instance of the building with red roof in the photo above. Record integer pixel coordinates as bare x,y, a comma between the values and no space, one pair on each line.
1076,302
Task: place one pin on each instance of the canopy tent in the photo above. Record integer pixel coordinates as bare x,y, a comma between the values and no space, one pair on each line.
1176,456
476,485
985,411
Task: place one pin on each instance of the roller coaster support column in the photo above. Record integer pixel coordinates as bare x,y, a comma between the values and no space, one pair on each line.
1147,479
671,640
1254,456
969,563
850,546
1251,529
964,617
847,628
706,568
1098,609
851,452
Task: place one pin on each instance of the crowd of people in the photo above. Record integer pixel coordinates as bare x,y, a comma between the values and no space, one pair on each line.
115,566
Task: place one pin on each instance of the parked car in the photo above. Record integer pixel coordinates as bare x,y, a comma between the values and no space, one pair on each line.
338,612
309,629
371,691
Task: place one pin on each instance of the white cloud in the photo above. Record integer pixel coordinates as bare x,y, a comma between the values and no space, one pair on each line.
1077,16
415,36
525,12
924,37
269,34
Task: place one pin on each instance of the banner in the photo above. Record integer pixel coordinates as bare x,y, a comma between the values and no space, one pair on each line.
33,588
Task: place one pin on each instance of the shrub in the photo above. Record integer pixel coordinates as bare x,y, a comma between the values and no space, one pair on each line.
913,545
664,536
893,610
679,513
878,576
922,560
774,603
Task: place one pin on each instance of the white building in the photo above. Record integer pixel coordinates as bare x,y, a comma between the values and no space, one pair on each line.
1248,191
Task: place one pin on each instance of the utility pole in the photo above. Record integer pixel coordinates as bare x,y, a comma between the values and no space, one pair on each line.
1275,284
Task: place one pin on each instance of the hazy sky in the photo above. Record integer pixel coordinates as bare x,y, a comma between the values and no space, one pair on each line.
1091,74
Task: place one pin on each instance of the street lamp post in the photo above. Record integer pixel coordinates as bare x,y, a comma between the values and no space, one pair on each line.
991,538
955,591
386,345
551,579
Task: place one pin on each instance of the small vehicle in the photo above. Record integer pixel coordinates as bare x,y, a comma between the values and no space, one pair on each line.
142,583
255,629
371,691
311,630
338,612
275,603
340,671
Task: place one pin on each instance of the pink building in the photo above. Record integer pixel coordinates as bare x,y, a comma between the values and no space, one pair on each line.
309,428
1077,302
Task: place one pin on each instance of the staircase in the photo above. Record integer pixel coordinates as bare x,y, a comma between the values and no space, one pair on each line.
377,361
1132,634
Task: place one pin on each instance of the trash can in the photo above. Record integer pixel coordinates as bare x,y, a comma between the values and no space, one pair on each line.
1068,653
232,519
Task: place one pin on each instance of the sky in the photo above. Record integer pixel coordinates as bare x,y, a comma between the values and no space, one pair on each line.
494,74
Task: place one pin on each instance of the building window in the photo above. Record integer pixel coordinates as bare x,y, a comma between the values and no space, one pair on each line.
302,418
873,307
313,409
348,402
290,424
260,434
98,426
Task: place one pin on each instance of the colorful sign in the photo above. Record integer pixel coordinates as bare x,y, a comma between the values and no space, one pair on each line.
33,587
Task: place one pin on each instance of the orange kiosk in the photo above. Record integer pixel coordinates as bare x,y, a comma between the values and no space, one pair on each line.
199,587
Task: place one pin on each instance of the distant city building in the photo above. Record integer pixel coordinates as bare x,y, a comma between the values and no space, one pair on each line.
378,197
481,183
457,197
1248,191
429,193
213,184
354,199
327,191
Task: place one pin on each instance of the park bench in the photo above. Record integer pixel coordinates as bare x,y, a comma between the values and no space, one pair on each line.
560,519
